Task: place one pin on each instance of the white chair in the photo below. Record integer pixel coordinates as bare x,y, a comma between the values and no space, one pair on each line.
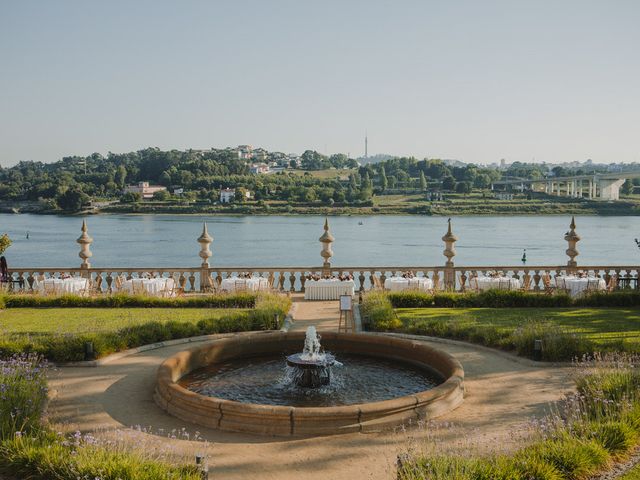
504,283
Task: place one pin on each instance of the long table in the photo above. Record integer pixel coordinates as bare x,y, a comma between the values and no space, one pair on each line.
328,289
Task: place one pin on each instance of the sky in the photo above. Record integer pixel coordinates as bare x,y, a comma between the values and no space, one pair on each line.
537,80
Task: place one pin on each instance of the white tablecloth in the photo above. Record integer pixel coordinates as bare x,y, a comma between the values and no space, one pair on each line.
576,286
328,289
254,284
497,283
396,284
156,287
63,285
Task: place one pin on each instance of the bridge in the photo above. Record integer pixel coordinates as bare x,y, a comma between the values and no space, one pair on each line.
599,186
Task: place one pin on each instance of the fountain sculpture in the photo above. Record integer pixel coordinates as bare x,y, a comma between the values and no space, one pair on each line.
311,368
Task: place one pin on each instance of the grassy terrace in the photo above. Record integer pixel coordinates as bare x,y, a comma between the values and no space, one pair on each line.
602,326
55,321
59,327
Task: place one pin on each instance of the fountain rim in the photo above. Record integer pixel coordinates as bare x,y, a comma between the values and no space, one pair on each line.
167,390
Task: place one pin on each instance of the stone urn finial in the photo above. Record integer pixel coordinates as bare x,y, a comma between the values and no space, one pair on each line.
326,253
449,240
205,240
572,239
85,241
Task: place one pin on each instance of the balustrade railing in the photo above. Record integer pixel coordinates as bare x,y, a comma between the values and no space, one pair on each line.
293,279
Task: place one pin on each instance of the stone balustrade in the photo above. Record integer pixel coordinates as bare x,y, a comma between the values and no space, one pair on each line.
293,279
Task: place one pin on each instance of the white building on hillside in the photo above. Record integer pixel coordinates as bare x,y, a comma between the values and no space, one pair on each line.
227,195
259,168
145,190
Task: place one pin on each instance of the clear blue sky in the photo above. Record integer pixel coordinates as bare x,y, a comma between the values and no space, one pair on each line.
474,80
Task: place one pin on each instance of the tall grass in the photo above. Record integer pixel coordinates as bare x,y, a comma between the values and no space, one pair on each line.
581,436
30,449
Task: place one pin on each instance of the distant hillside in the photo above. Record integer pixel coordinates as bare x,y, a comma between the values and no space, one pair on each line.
380,157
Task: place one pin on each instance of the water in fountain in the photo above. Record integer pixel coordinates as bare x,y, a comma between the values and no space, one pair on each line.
311,350
311,368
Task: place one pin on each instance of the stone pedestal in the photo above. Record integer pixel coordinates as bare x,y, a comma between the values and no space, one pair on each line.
326,253
449,240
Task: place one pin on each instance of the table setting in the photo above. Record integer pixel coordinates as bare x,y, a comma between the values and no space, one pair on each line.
408,281
66,284
319,287
244,281
147,285
579,283
495,281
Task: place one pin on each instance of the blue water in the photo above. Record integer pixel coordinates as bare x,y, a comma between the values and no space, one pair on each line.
170,240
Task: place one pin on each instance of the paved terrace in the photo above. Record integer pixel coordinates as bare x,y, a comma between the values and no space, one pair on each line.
501,393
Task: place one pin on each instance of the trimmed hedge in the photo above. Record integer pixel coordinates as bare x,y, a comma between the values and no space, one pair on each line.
511,299
70,348
121,300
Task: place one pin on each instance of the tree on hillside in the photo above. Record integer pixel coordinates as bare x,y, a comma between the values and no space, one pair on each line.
463,187
120,176
131,197
448,183
383,179
627,187
72,200
423,181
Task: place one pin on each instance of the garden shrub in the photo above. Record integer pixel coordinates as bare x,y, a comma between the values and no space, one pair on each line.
511,299
557,343
378,313
120,300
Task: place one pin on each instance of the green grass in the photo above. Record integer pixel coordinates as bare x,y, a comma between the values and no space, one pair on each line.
600,325
95,320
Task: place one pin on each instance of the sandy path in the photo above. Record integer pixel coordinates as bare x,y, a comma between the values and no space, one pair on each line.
501,395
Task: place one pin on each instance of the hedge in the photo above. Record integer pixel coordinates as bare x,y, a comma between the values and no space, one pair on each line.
120,300
511,299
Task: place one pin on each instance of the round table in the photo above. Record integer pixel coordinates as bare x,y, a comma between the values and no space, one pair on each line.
577,286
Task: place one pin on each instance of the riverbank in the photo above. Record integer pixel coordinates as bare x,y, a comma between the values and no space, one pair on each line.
408,204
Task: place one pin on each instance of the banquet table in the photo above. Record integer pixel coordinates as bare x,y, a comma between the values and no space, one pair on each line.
156,287
254,284
328,289
576,286
59,286
495,283
396,284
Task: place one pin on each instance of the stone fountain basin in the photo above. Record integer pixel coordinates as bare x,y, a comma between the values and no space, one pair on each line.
273,420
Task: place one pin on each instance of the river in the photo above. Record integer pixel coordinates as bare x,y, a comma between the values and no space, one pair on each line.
170,240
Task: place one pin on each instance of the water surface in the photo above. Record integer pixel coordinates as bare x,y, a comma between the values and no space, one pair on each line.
170,240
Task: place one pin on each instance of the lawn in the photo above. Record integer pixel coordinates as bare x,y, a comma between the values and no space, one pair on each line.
599,325
95,320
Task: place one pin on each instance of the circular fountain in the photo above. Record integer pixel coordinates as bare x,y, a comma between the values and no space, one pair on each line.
258,383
